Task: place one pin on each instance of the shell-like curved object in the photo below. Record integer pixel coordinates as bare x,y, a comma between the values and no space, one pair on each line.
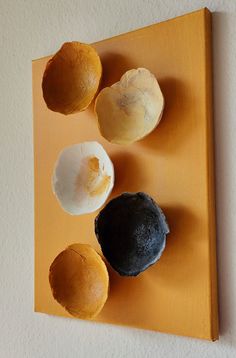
71,78
131,108
83,178
79,281
131,230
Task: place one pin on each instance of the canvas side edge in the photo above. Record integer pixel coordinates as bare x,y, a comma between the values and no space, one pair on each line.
214,328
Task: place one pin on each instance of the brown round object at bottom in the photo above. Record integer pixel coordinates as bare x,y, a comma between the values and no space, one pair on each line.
79,281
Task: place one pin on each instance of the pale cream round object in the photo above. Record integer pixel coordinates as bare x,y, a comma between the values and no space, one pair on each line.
131,108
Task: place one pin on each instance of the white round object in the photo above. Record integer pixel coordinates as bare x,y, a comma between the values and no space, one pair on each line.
83,178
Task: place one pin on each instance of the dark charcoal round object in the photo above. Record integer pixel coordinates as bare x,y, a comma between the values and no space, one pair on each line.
131,230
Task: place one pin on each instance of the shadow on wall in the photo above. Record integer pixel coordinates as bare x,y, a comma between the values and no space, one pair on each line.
223,55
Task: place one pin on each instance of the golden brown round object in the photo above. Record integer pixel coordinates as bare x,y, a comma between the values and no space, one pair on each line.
131,108
79,281
71,78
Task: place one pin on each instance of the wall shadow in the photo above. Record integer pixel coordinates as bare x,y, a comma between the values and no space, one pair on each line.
177,267
129,175
173,130
113,67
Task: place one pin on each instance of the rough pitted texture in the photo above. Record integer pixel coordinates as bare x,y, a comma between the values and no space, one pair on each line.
131,230
31,29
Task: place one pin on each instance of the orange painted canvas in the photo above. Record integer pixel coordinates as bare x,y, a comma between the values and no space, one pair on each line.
174,164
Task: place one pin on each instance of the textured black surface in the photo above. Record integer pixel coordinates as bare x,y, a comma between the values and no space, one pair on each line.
131,230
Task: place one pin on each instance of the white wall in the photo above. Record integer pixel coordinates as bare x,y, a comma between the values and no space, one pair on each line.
31,29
